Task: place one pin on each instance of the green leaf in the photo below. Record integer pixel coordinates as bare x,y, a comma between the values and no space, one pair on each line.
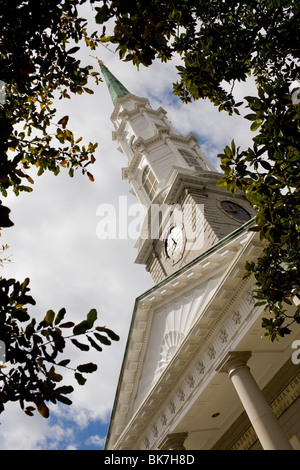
64,362
91,317
109,332
21,315
81,346
68,324
251,117
73,50
94,344
25,284
29,410
54,376
102,14
102,339
49,317
43,409
60,316
88,90
222,182
80,379
256,124
228,152
265,165
260,303
4,218
81,328
256,228
63,399
87,368
64,390
63,121
260,219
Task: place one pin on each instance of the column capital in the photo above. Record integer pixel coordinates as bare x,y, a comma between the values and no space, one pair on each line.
174,441
233,360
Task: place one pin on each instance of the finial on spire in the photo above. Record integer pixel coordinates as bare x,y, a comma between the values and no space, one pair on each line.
115,87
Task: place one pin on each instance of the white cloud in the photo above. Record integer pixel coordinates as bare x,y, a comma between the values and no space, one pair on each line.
96,441
21,432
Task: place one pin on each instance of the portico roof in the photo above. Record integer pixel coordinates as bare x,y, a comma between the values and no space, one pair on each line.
227,320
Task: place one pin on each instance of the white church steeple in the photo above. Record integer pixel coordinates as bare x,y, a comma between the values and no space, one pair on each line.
149,141
169,173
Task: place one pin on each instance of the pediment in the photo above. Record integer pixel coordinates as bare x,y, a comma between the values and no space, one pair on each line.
170,326
175,316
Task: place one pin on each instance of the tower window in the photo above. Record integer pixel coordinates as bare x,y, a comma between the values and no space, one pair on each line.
191,160
149,182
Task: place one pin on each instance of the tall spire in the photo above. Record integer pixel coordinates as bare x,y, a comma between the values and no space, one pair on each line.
115,88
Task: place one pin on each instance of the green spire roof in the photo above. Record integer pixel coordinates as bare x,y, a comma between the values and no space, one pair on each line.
115,88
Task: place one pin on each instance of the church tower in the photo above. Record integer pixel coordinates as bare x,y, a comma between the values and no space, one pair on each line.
185,212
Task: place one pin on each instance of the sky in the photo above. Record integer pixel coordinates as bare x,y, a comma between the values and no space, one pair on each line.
54,242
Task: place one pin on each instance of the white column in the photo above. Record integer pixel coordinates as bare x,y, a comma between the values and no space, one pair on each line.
268,430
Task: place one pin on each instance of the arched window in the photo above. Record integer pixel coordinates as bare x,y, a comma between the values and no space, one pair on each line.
149,182
191,160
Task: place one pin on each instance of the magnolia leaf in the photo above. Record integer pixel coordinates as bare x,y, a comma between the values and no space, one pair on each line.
4,218
251,117
80,379
29,410
64,362
65,389
109,332
25,283
87,368
49,317
222,182
91,178
102,339
63,399
67,324
228,152
88,90
29,179
94,344
83,347
60,316
73,50
81,328
21,315
91,317
102,14
256,124
43,409
265,165
54,376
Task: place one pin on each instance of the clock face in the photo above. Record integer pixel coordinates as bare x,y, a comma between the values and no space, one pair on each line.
236,211
174,243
